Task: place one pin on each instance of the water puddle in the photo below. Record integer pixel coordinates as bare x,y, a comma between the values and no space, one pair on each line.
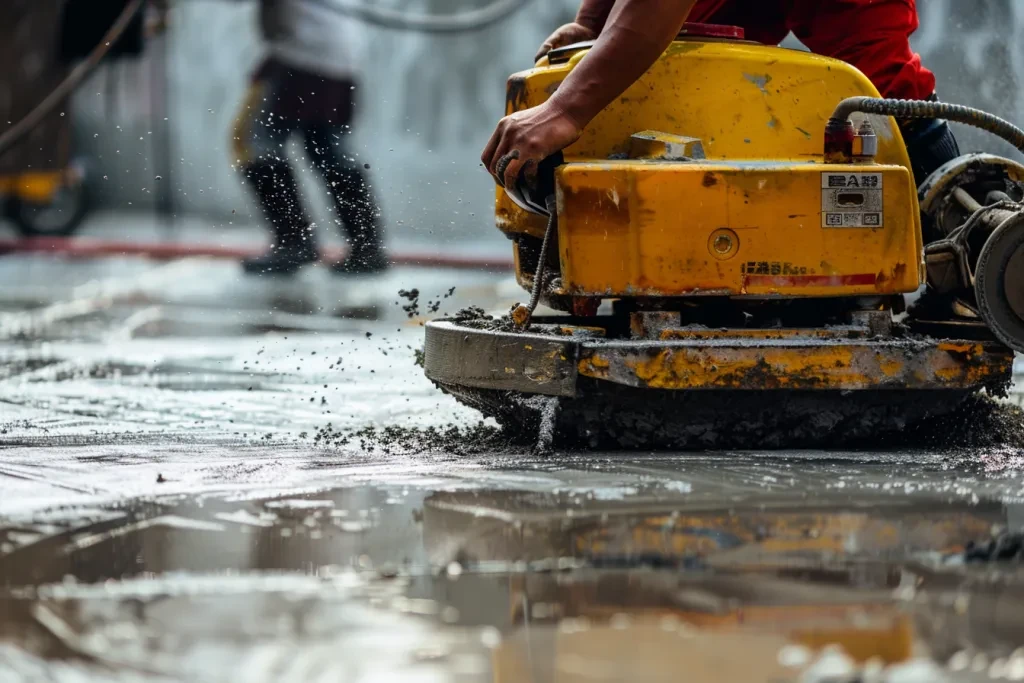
542,583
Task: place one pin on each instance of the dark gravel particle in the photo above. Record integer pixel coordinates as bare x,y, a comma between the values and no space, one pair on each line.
412,309
471,314
475,318
392,440
618,418
979,422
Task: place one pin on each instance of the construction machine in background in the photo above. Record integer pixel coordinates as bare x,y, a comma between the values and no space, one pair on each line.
730,248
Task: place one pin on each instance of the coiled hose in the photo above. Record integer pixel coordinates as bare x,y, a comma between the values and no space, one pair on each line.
462,22
922,109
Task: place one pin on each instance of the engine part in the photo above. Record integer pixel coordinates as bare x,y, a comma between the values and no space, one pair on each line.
999,282
985,177
973,206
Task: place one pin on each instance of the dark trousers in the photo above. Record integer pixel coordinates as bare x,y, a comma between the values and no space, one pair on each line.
283,103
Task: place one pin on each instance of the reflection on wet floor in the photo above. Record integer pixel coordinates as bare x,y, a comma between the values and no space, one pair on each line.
536,582
166,515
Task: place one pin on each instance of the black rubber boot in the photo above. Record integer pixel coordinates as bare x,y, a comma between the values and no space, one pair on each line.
281,260
362,263
353,201
359,213
278,196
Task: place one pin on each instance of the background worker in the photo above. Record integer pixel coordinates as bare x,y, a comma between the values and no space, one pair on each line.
872,35
306,86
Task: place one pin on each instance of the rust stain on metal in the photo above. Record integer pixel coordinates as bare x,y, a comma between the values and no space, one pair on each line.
974,363
890,367
898,272
599,202
516,93
594,366
803,365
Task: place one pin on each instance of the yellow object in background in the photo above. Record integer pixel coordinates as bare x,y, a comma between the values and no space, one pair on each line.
37,187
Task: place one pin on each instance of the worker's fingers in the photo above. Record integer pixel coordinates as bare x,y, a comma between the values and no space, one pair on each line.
488,158
510,173
504,162
544,49
503,149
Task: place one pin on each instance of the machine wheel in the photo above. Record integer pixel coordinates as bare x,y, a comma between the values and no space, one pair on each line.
611,417
59,218
999,283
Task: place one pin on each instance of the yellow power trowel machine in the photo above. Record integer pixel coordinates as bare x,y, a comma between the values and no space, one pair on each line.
749,219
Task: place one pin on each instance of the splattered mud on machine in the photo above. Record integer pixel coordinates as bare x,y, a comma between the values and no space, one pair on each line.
756,278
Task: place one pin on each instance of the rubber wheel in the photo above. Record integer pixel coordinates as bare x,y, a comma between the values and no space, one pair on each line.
999,283
60,218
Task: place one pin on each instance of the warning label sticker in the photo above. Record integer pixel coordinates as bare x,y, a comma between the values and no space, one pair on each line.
851,200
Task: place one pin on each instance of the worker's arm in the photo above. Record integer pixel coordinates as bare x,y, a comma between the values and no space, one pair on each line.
634,36
590,20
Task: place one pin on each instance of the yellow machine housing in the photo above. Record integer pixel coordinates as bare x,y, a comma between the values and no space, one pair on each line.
754,257
760,214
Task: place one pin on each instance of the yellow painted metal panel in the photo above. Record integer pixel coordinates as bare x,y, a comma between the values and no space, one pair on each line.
743,101
636,228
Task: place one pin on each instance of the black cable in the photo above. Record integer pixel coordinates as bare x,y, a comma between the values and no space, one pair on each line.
461,22
924,109
18,131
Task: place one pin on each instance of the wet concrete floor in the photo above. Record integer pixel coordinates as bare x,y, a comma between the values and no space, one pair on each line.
167,515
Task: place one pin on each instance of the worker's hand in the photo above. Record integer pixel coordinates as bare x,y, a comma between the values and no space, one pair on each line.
566,35
525,138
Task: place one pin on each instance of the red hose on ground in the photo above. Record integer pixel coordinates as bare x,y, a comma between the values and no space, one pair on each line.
84,248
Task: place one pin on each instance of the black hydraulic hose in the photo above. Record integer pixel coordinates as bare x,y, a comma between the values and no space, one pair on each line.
461,22
922,109
18,131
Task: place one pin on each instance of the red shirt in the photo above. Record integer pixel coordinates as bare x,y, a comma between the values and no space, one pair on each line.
872,35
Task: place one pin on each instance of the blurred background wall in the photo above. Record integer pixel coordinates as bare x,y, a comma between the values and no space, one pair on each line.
429,103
